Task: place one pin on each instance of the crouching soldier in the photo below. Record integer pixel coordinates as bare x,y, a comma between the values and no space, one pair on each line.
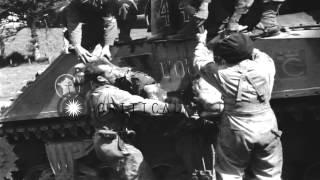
267,26
248,138
109,109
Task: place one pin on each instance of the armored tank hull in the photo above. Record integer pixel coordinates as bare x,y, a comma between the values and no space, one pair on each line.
47,140
52,141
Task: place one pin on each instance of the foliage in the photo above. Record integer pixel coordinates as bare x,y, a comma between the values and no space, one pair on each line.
34,12
29,9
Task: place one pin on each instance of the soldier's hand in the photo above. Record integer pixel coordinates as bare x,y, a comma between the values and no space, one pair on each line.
83,54
203,11
123,11
188,111
202,37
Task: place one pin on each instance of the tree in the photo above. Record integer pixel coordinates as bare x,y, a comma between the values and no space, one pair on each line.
33,12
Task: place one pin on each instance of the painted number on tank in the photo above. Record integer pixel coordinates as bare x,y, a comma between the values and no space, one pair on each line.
186,17
164,11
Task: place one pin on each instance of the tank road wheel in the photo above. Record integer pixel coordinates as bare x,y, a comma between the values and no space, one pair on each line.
39,172
7,159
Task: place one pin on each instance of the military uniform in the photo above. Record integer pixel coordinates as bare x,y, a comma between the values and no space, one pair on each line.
195,13
109,109
127,17
249,137
268,24
92,22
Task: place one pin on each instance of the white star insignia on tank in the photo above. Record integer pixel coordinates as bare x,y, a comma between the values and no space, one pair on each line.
73,108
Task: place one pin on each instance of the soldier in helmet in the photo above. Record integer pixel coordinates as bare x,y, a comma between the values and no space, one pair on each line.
109,109
93,22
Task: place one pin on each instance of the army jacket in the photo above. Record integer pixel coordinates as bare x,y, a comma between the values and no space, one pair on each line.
246,87
94,13
111,106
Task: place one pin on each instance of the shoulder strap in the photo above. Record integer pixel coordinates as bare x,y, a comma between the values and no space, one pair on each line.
259,89
243,72
245,76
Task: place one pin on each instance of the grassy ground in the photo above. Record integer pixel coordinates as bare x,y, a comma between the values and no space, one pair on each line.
50,43
12,79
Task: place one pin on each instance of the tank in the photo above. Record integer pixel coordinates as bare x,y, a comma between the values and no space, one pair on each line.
42,138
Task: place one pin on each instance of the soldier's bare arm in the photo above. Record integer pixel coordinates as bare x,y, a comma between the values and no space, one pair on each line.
133,103
203,10
206,90
110,34
203,58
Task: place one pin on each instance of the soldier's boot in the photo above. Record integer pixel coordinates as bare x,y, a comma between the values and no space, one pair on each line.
268,25
241,8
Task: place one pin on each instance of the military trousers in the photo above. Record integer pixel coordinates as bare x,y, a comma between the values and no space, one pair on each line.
125,159
244,153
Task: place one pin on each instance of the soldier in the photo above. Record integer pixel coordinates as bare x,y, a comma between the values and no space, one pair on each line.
92,22
268,25
109,109
248,138
183,18
126,18
197,11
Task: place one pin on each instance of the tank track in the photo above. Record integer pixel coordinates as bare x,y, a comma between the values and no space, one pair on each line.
57,128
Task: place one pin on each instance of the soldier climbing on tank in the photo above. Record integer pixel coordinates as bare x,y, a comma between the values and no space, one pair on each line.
248,138
109,109
92,25
267,26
